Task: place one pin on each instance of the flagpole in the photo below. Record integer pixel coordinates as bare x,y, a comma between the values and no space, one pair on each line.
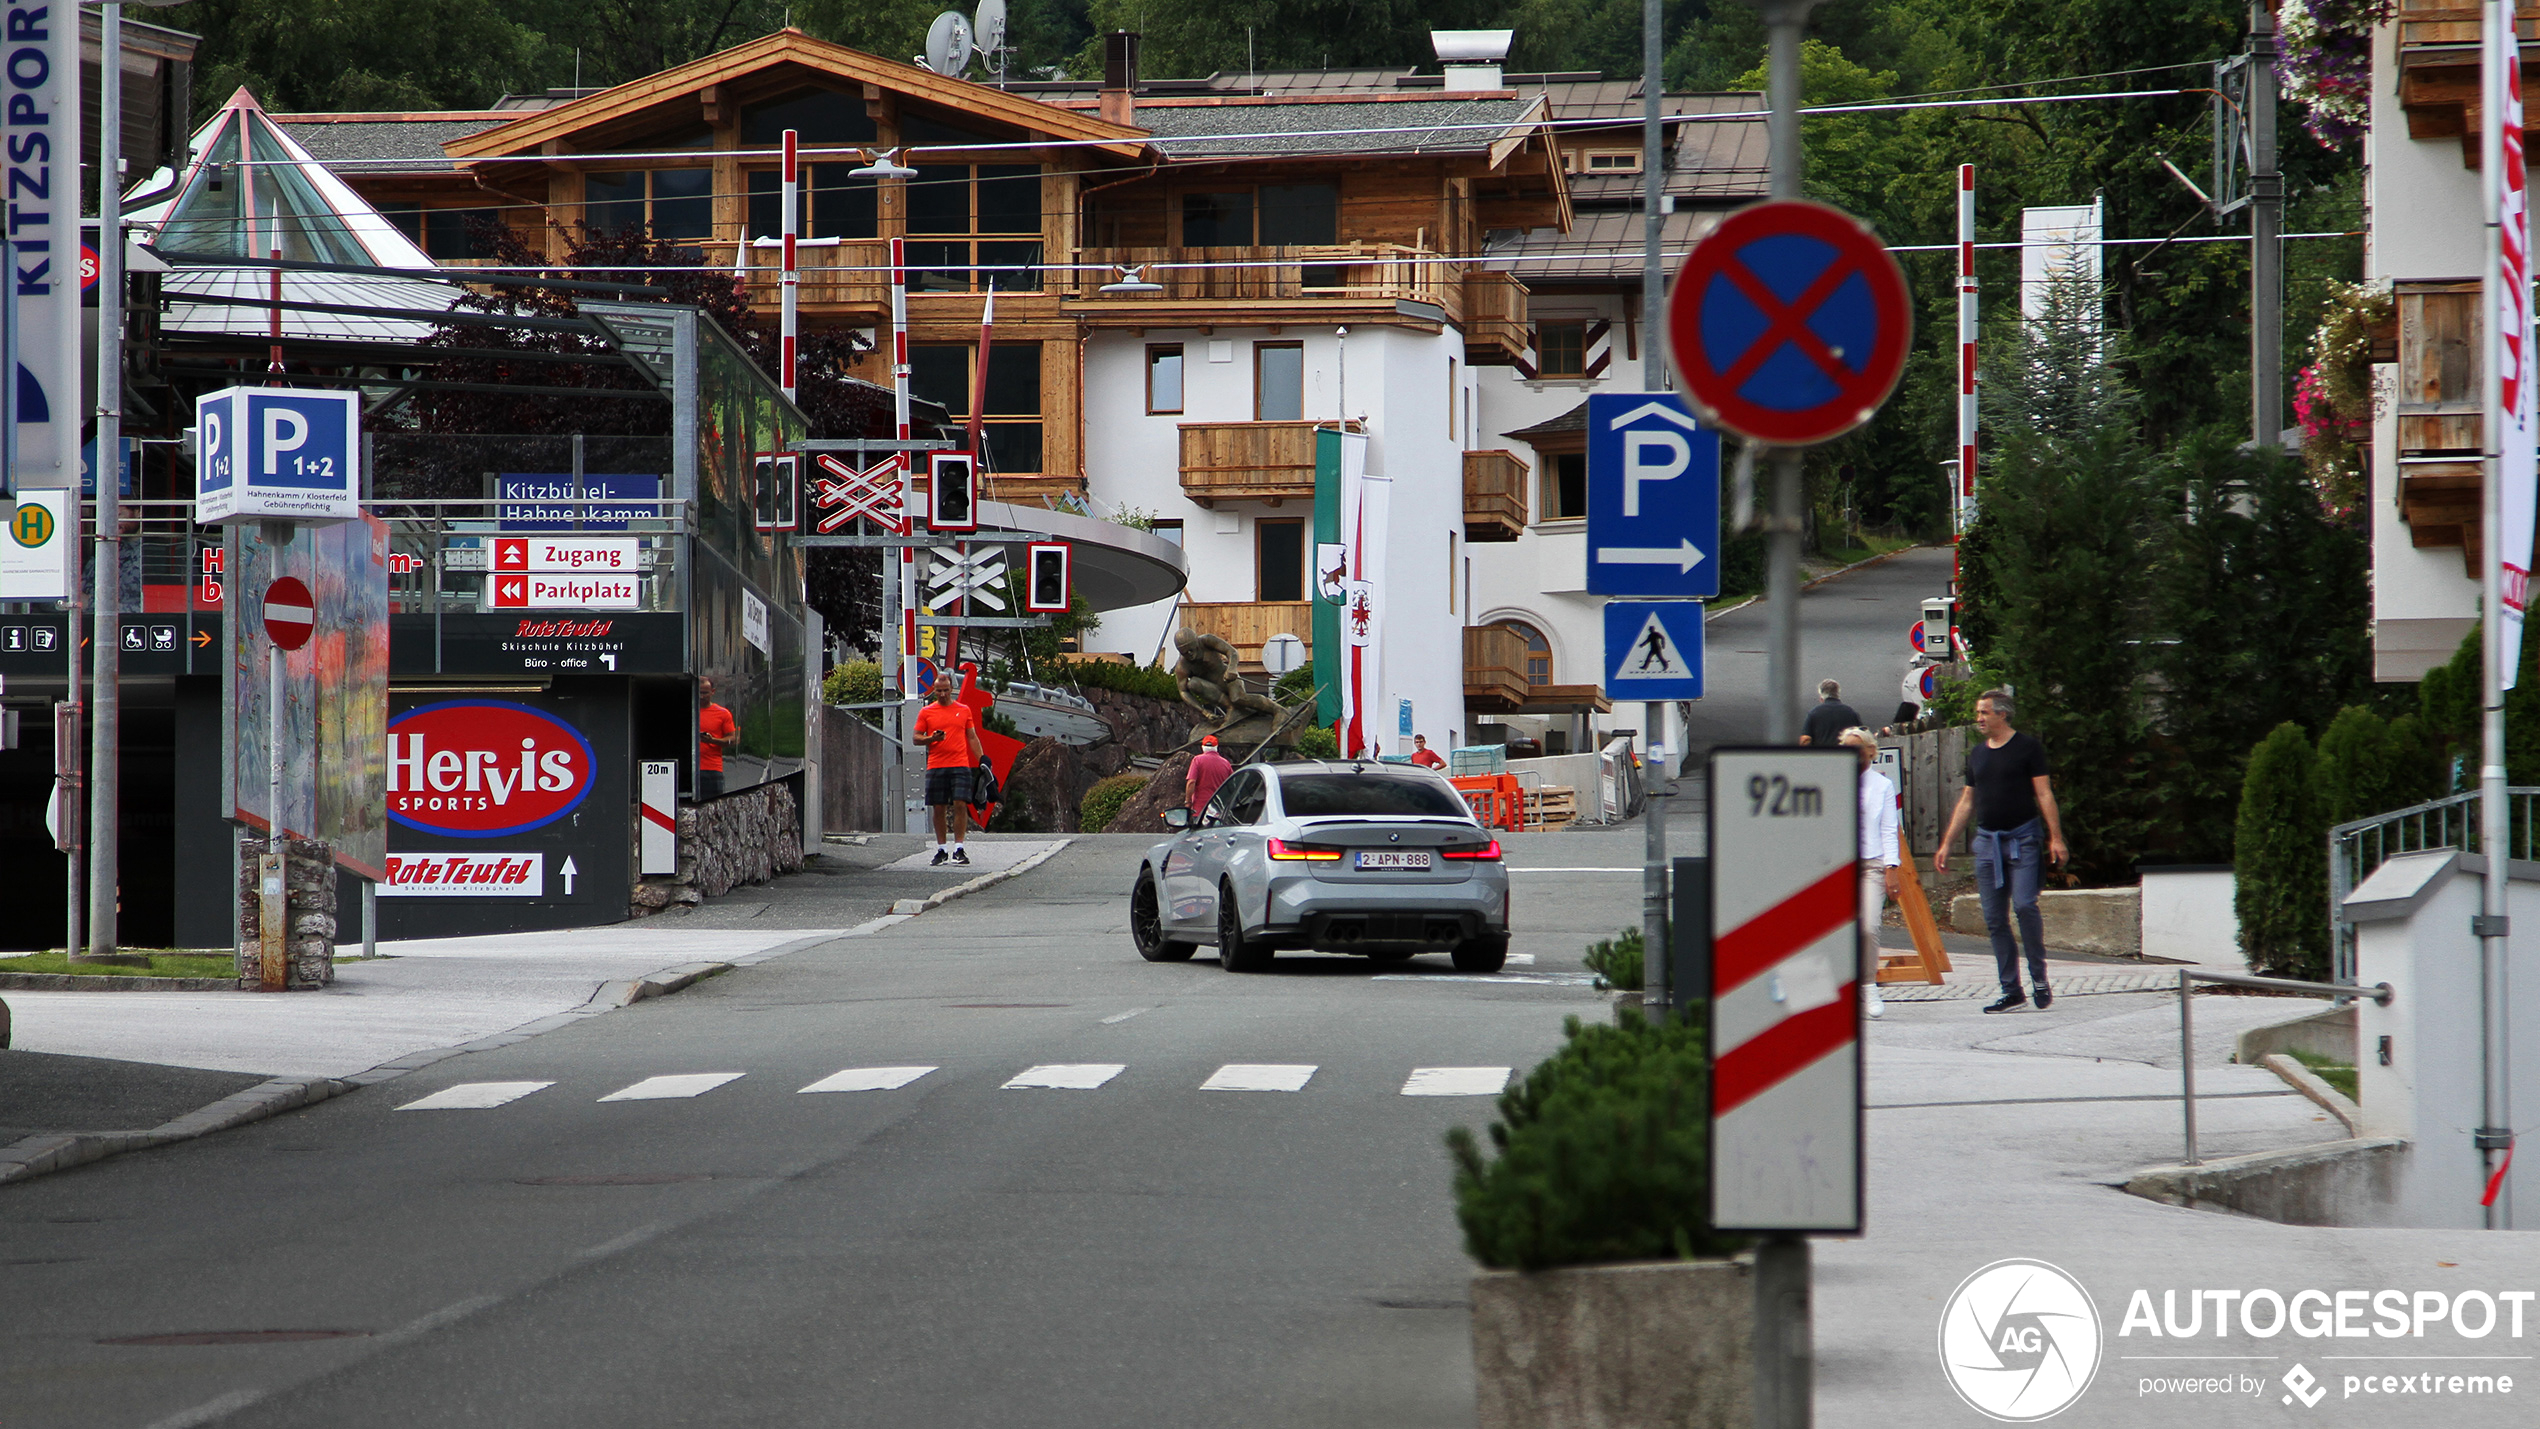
2508,298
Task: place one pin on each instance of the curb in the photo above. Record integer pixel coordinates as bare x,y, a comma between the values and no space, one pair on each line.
35,1156
106,982
911,907
2310,1084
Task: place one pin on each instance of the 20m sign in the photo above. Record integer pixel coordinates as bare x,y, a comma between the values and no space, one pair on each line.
481,769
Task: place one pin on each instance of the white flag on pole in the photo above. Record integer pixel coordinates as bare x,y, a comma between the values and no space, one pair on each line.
2517,440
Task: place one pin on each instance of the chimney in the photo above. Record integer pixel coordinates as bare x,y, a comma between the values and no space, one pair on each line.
1471,57
1120,77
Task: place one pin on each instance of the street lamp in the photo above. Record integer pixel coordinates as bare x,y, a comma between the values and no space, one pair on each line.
885,165
1131,280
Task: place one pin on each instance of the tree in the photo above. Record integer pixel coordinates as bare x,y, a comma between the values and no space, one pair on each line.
348,55
2280,857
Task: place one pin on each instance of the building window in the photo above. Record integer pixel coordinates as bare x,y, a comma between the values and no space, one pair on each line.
681,207
448,233
817,116
977,199
1279,559
833,205
1614,161
1011,430
1454,429
1450,573
1538,651
1168,530
1164,378
1278,381
1271,216
1561,349
1564,486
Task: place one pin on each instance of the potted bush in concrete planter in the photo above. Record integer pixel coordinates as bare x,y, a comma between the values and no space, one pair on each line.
1607,1301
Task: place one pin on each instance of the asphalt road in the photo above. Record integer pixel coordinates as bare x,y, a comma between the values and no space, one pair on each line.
1852,629
950,1252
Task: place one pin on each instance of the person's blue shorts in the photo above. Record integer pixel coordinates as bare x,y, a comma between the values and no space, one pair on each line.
947,786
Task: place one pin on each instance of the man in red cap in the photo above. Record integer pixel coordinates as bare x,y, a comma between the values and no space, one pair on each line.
1208,770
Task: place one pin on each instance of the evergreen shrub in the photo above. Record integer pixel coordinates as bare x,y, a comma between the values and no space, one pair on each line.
1149,680
1104,800
1616,961
2280,857
1317,742
1602,1155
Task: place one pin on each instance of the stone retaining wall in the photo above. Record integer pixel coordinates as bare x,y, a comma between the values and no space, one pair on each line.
309,898
749,837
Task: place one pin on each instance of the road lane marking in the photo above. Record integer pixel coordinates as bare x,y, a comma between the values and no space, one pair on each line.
1521,960
1125,1016
1066,1076
475,1096
1258,1077
1514,869
1456,1082
666,1088
868,1079
1535,979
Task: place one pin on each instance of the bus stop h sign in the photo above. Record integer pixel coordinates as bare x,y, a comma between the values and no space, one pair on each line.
1789,323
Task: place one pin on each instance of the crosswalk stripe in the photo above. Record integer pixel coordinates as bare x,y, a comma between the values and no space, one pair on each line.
1258,1077
475,1096
1456,1082
664,1088
868,1079
1067,1076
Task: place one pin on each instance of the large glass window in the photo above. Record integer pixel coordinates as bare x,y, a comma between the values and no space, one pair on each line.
817,116
834,205
1278,381
681,206
1164,378
1538,651
1217,220
1011,430
1300,215
1279,559
975,199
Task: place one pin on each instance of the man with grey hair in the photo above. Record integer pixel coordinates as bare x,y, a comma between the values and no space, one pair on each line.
2009,791
1830,718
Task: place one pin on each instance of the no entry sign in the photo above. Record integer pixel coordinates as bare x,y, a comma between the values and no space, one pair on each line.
1785,967
1789,323
290,613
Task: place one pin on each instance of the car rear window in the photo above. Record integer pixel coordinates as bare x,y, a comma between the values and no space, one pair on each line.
1307,796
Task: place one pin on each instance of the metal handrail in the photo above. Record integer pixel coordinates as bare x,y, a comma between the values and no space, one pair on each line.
2359,846
2379,993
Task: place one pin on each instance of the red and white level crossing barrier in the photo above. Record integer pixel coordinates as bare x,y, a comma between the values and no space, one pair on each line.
1785,962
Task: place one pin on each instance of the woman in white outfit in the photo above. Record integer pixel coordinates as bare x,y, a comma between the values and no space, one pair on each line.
1879,858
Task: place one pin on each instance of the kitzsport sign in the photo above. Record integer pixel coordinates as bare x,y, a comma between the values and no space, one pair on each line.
481,769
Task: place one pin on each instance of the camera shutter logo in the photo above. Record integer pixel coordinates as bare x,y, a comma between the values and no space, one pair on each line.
2020,1340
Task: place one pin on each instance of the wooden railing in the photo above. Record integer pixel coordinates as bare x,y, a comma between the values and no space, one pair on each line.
1495,318
1357,272
1494,496
2438,68
851,273
1256,461
1494,668
1248,624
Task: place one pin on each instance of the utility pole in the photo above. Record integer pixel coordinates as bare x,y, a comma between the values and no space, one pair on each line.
1660,990
105,782
2266,236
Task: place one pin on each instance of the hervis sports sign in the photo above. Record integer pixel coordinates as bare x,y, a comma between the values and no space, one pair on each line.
481,769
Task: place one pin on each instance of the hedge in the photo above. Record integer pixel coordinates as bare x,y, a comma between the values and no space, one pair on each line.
1103,801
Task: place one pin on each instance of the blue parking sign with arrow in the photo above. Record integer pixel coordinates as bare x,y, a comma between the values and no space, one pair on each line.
1653,650
1653,477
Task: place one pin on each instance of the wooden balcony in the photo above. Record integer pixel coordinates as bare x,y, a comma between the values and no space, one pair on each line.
1325,283
1495,319
2440,370
1494,669
1248,461
1248,624
851,275
1494,496
2438,68
1034,488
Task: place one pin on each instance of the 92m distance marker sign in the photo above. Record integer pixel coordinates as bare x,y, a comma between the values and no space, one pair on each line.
1789,323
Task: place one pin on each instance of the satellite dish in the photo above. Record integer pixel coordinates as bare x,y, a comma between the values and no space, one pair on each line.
989,25
948,43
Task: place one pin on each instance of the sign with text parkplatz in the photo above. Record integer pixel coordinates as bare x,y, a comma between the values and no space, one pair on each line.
278,454
1653,497
1789,323
1785,969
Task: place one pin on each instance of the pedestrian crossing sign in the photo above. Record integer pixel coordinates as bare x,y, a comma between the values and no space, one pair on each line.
1653,650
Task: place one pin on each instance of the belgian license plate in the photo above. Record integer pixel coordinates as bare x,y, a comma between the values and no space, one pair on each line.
1393,858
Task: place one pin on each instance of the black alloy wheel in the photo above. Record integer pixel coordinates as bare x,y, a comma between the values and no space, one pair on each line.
1235,952
1146,924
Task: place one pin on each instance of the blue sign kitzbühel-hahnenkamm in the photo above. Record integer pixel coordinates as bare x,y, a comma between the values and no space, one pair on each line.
1653,478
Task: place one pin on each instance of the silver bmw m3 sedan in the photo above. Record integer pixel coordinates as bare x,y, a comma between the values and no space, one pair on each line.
1338,856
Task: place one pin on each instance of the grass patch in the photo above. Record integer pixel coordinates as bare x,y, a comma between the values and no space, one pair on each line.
2336,1074
163,963
1873,544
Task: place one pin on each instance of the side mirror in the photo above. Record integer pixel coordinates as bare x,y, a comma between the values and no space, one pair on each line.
1177,818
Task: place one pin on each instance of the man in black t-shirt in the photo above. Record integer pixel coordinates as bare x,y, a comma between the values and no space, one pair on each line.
2010,794
1827,722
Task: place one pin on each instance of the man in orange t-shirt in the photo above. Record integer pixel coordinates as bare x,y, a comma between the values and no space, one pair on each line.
950,734
715,733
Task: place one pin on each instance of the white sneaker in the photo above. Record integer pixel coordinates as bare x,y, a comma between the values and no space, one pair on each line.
1878,1004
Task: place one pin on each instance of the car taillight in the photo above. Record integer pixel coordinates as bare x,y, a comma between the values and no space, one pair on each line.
1281,849
1488,851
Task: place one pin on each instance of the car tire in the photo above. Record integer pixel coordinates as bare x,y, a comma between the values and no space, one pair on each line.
1481,955
1235,952
1146,923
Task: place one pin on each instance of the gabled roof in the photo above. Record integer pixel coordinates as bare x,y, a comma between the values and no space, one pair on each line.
385,143
1255,128
525,136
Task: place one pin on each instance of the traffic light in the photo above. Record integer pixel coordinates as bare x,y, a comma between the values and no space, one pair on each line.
1045,577
952,496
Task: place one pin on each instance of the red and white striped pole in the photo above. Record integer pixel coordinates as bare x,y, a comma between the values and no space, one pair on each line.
907,602
789,324
1965,504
